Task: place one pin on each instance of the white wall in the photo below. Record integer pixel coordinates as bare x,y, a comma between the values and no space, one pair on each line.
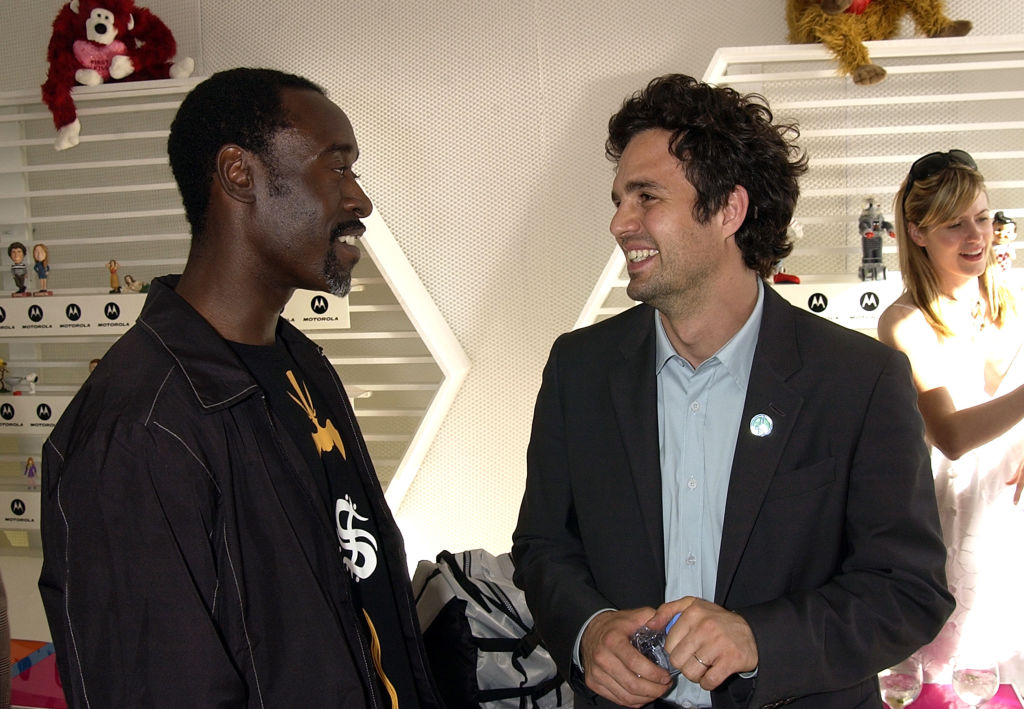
481,126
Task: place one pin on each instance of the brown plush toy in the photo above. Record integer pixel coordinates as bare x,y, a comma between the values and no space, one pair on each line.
844,25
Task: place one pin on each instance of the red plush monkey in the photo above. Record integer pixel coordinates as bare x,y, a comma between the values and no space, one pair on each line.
95,41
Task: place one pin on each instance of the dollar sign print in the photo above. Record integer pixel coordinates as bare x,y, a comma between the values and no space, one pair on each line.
358,542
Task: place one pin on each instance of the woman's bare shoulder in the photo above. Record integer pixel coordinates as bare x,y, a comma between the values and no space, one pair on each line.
902,319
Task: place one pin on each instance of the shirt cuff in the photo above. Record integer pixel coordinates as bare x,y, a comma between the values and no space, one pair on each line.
579,637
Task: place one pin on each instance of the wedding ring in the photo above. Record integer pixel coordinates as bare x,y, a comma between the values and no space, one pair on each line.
700,660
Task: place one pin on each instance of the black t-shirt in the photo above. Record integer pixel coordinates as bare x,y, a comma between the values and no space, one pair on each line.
299,403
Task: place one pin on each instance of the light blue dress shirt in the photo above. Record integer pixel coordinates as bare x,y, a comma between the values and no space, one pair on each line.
699,414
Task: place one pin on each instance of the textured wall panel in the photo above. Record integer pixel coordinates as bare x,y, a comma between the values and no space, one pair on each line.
482,129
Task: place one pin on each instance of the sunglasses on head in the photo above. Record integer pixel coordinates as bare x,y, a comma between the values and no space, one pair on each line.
927,165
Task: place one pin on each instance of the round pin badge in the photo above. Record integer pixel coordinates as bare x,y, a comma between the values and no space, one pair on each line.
761,425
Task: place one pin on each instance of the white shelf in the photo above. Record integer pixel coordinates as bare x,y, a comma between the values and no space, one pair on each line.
113,197
961,92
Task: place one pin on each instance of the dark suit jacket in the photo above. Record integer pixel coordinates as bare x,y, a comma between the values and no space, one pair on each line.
831,548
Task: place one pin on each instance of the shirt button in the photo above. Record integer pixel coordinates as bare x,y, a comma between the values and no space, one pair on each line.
692,484
691,560
695,407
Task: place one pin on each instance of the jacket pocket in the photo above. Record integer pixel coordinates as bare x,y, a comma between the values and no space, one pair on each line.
790,483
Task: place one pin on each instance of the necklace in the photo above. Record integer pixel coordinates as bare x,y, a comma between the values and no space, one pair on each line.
978,314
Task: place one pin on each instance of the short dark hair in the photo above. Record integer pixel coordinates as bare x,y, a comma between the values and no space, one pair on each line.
1000,219
723,139
239,107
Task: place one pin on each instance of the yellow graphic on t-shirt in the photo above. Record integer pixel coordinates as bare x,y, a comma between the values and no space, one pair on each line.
325,437
378,663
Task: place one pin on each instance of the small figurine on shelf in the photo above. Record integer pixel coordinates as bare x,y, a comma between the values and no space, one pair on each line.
3,377
781,276
872,226
115,285
21,385
31,473
42,267
133,286
1004,231
795,231
19,269
29,383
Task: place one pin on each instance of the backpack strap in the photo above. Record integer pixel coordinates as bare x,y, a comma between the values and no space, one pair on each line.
499,599
471,589
534,692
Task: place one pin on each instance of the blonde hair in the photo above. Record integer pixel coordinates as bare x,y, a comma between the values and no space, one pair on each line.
932,201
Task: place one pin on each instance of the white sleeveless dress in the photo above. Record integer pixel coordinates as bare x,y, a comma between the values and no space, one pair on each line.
984,535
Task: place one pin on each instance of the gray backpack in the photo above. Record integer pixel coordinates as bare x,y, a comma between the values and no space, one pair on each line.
479,635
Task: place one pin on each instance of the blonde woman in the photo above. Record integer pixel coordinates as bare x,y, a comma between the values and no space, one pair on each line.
957,322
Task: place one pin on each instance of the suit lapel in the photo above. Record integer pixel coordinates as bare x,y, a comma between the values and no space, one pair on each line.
756,457
634,394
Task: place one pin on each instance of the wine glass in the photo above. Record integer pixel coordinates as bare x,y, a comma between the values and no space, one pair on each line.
901,683
974,681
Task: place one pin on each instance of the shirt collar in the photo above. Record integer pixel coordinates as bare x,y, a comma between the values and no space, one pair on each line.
736,355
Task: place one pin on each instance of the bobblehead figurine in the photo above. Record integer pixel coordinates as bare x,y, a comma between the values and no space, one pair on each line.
31,473
1004,231
19,269
42,267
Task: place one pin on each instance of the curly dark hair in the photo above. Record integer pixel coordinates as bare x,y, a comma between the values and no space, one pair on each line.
239,107
723,139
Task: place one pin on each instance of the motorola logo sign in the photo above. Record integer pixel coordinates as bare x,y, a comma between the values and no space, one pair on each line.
112,311
73,312
35,313
817,303
6,411
44,412
869,301
319,304
18,507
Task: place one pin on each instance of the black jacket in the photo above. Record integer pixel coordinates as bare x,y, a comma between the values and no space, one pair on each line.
188,560
831,548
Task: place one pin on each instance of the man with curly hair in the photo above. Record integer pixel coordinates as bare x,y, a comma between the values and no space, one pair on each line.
717,461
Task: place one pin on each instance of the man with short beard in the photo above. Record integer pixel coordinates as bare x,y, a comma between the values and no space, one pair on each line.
214,533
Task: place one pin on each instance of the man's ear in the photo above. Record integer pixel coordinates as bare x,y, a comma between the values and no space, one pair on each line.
735,211
235,172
